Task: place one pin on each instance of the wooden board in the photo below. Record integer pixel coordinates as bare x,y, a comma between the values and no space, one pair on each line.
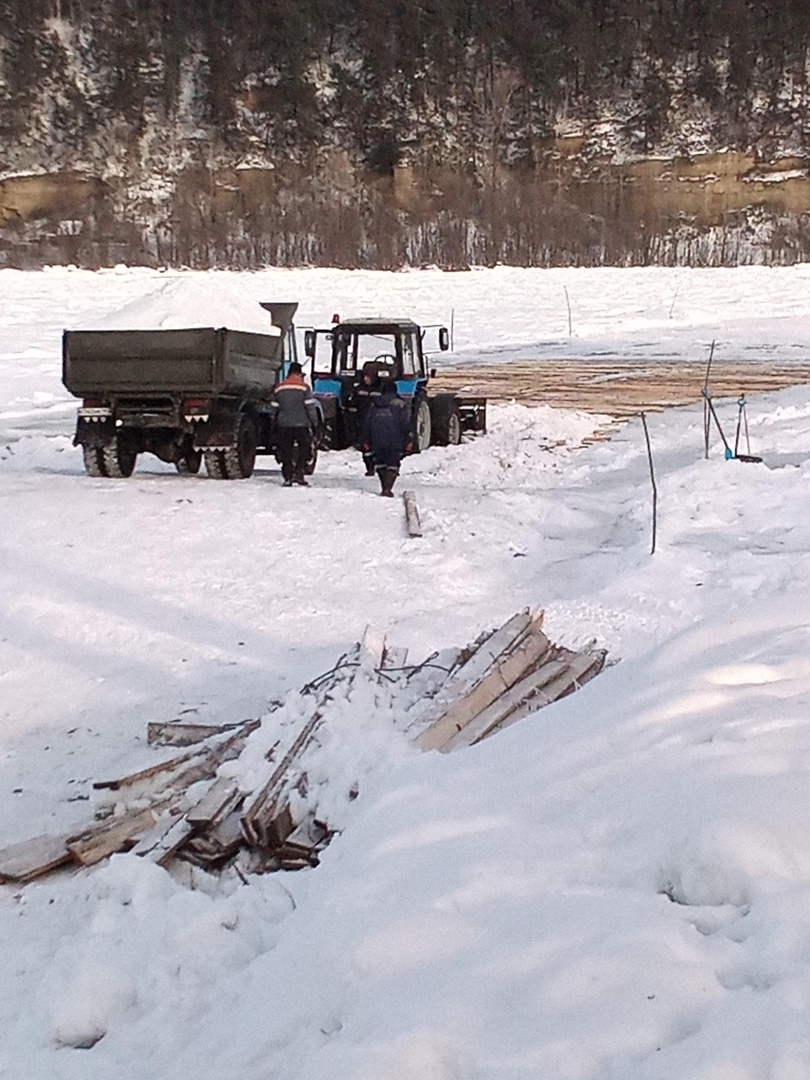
522,691
213,750
412,522
618,387
218,801
582,668
31,858
173,733
95,845
504,675
476,665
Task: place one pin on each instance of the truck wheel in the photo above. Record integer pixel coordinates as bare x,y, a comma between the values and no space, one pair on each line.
446,420
312,461
119,459
241,459
93,461
189,464
421,426
215,464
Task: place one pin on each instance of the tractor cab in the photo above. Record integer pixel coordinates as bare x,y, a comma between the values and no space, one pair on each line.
394,345
393,348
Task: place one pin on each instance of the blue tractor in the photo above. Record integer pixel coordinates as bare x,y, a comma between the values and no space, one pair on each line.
391,348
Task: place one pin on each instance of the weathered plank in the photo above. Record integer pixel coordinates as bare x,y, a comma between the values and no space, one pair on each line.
96,844
174,733
30,859
412,522
579,670
504,675
218,801
477,665
212,750
261,809
523,691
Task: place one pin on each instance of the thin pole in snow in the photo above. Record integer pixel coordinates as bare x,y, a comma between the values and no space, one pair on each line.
706,415
568,305
652,481
452,328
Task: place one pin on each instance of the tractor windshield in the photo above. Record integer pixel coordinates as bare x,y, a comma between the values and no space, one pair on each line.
352,350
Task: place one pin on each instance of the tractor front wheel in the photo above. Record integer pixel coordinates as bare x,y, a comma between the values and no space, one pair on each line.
421,426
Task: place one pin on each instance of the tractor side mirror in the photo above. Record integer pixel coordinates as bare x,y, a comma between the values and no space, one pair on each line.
444,339
309,343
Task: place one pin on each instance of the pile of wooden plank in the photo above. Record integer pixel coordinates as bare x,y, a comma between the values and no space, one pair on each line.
514,671
197,808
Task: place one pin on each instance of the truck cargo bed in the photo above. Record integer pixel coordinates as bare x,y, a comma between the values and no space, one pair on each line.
200,361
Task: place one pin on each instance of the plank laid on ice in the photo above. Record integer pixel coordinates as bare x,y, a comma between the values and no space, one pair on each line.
523,691
504,675
218,801
412,522
31,858
96,844
477,665
578,671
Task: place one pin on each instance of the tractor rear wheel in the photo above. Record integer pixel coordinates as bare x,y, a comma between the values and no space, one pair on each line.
446,421
421,426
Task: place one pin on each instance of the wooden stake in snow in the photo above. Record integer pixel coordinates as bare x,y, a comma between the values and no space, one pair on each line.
412,514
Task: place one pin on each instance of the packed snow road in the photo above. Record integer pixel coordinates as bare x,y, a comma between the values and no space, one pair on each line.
492,915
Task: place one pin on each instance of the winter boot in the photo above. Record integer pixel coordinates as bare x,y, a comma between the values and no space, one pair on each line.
388,479
368,461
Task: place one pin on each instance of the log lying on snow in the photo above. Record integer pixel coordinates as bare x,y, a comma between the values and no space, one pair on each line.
503,676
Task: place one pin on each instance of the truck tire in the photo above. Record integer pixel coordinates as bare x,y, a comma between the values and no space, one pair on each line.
189,464
215,464
119,459
240,459
93,461
446,420
421,426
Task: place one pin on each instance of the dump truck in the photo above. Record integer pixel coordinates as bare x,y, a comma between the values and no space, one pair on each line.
392,348
183,395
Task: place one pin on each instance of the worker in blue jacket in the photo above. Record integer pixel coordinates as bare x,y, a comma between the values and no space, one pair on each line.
387,434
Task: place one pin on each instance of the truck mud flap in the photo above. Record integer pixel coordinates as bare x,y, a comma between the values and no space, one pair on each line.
217,433
95,433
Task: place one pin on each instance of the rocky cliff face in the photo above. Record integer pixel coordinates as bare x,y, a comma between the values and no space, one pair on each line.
383,133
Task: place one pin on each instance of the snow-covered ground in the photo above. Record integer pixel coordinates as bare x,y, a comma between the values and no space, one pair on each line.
617,888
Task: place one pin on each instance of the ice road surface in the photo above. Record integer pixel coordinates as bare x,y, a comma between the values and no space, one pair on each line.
617,888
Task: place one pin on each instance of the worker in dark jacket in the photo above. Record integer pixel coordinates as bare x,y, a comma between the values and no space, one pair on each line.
296,414
365,390
387,434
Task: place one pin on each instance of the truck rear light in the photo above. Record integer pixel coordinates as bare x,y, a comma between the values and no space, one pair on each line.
196,410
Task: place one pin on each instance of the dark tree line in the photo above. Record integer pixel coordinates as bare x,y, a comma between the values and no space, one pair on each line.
468,91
